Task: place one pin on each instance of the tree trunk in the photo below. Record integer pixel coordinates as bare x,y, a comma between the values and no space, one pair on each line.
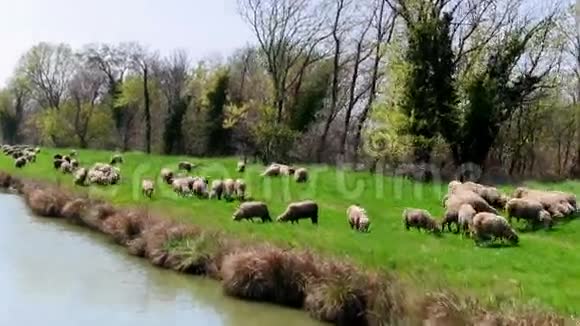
335,73
147,110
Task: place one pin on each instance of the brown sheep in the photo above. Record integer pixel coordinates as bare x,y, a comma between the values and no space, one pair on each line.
419,219
489,226
530,210
465,218
458,198
250,210
300,210
556,202
187,166
489,194
167,176
229,189
357,218
147,187
301,175
217,189
240,189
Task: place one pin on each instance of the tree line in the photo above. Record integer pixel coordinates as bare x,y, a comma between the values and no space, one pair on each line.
444,82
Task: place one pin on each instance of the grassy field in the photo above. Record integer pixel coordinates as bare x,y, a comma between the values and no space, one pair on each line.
544,269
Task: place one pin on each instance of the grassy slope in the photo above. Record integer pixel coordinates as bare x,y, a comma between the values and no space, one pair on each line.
545,268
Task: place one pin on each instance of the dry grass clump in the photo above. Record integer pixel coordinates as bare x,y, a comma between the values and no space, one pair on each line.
339,296
73,210
158,235
386,300
127,225
268,274
197,255
5,180
43,203
96,214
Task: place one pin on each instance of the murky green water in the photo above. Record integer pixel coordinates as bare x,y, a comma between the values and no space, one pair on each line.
52,273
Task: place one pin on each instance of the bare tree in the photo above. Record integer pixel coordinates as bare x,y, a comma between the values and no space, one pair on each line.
288,33
114,61
337,32
86,89
48,69
144,63
384,26
173,78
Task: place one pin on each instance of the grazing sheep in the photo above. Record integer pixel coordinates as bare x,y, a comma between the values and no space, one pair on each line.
37,150
489,194
455,200
116,159
240,189
20,162
217,189
530,210
74,163
300,210
357,218
80,176
182,186
272,171
57,157
66,167
465,217
286,170
104,174
57,163
229,189
241,166
147,187
301,175
30,157
420,219
199,188
489,226
187,166
167,176
66,158
548,195
250,210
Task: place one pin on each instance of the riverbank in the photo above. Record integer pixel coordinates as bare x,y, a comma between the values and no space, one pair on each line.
329,289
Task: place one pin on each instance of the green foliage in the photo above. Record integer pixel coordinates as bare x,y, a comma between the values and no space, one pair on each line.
272,138
429,98
72,127
215,101
310,99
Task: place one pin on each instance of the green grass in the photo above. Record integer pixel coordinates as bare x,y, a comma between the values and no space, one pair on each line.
544,269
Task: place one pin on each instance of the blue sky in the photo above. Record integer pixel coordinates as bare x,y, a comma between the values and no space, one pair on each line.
202,27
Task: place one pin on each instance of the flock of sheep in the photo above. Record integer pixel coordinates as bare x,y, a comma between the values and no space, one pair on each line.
471,207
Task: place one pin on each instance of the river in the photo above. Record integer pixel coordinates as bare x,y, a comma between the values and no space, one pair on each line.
54,273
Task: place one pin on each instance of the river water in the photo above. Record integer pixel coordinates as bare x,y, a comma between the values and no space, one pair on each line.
53,273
